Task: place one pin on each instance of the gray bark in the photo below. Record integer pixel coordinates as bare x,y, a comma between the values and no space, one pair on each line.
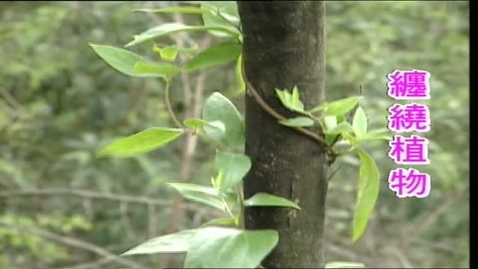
284,46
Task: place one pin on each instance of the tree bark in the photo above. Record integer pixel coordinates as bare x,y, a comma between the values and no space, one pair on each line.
284,45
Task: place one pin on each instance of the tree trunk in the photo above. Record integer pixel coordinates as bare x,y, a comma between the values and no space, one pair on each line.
284,46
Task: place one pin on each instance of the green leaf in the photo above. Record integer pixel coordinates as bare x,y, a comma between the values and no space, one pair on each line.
189,187
220,247
142,142
341,118
233,167
343,127
170,243
339,265
226,7
360,122
368,188
219,108
330,122
342,107
132,64
221,15
375,137
200,194
230,222
295,95
297,104
339,107
217,55
298,122
291,100
379,131
168,53
199,124
164,70
264,199
172,28
122,60
377,134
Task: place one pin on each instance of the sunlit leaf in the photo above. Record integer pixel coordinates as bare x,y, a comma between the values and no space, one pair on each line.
298,122
226,7
213,56
368,188
142,142
343,127
222,14
220,108
233,167
170,243
330,122
377,134
339,107
342,107
200,194
360,122
221,247
165,70
265,199
291,99
172,28
122,60
168,53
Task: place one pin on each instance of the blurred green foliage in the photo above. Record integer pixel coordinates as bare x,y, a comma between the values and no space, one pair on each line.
59,103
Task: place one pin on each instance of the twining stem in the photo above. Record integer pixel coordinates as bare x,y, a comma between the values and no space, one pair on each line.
168,104
255,95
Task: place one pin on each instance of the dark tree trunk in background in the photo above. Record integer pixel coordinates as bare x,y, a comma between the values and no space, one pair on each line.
284,46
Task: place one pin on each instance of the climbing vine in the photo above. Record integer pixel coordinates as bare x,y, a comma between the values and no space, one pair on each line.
341,126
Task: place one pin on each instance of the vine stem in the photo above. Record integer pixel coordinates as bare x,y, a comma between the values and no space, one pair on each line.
242,209
255,95
168,104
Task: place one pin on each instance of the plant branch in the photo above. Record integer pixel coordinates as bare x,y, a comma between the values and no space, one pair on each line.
11,100
190,105
88,265
86,194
